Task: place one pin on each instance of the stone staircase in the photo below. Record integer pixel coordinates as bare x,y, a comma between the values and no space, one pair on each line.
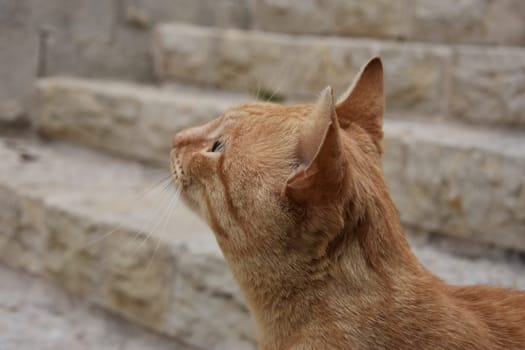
476,85
77,202
84,220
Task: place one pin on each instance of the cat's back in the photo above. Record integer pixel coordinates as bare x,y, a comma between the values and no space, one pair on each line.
445,317
501,310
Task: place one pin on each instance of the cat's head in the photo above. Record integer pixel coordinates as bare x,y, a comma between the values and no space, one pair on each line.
267,176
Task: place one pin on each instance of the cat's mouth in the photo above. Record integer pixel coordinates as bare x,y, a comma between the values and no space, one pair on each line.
180,181
177,173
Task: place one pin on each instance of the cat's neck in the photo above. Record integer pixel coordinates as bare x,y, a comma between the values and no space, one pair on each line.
290,293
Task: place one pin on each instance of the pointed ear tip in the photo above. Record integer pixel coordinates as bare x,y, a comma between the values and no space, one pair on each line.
376,63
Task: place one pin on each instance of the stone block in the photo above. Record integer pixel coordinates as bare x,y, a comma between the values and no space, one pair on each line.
445,178
34,33
252,61
126,56
505,22
457,181
125,119
448,21
82,21
469,21
376,18
204,290
292,66
66,215
488,86
416,78
19,55
224,13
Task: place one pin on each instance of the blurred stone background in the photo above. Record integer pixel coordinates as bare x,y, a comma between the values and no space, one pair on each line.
92,90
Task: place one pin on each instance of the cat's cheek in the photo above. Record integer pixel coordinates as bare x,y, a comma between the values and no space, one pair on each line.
202,166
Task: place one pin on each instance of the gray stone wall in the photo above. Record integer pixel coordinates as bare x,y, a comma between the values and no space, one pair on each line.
482,85
110,38
499,22
89,38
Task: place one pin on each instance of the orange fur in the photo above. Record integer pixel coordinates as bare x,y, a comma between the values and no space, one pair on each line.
300,209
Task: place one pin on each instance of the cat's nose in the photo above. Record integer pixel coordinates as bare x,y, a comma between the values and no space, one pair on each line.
188,136
176,141
182,138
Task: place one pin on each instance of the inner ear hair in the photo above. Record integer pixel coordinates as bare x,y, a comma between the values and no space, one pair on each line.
320,150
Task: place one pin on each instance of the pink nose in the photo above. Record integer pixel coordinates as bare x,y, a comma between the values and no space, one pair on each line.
177,140
188,136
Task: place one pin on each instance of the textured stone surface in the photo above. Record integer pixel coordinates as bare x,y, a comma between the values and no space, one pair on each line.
298,66
81,37
13,113
499,22
373,18
469,21
445,178
59,321
18,62
59,218
126,58
415,78
125,119
458,181
468,264
96,38
488,86
85,221
99,44
479,85
224,13
85,21
111,39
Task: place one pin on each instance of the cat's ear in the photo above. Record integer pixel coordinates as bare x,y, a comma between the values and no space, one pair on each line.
320,153
364,102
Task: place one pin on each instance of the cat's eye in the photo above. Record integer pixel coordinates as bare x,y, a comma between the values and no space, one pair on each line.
217,146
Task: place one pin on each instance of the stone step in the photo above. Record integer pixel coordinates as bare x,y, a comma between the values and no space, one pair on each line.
89,223
90,39
473,21
450,21
129,120
445,178
479,85
81,219
458,180
59,321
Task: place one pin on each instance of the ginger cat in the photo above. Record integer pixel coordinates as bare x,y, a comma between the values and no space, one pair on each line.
297,200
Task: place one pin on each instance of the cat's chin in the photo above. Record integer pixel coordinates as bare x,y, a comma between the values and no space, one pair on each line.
190,203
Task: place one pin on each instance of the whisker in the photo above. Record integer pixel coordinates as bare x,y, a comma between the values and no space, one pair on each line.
283,77
105,235
155,218
166,181
171,207
167,186
157,225
153,189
